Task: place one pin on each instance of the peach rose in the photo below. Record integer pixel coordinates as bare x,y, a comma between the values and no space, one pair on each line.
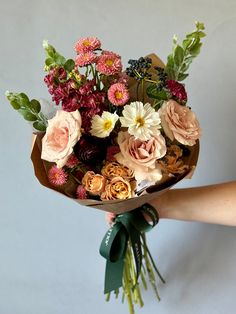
172,163
118,188
63,132
93,183
180,123
141,156
114,169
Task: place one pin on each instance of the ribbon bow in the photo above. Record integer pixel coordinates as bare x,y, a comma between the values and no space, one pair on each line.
127,226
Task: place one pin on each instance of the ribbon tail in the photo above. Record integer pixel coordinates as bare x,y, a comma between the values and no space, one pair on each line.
113,275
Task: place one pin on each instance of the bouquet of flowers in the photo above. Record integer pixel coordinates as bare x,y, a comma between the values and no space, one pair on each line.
117,140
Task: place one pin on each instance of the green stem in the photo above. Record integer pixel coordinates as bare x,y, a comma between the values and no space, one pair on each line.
98,80
150,271
151,81
143,91
151,258
143,279
108,297
137,89
127,288
93,72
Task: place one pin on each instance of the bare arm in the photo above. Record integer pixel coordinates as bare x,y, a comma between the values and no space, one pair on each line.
212,204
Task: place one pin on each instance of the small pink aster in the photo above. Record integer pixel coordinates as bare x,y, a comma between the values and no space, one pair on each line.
72,161
81,193
118,94
110,53
87,44
57,176
85,58
109,63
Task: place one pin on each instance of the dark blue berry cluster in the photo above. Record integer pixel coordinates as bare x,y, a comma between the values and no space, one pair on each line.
139,68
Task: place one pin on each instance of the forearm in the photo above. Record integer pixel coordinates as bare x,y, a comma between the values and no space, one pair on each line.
211,204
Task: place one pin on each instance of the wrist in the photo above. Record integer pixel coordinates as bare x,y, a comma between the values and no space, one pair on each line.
160,204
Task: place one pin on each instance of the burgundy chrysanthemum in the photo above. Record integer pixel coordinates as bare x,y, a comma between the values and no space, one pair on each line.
57,176
177,90
81,193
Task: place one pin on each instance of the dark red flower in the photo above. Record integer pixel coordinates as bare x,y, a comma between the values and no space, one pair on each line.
111,151
90,150
70,104
177,90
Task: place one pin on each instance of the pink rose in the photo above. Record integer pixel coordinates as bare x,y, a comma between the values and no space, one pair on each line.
63,132
180,123
141,156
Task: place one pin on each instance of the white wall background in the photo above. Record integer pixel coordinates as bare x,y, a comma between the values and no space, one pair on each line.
49,260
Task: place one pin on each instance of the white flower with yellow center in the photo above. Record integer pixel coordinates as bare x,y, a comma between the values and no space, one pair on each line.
104,124
141,120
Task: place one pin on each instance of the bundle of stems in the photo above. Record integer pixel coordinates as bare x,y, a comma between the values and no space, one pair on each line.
131,290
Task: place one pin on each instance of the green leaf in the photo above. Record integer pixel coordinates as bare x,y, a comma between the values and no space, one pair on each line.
49,61
182,56
60,60
27,115
15,104
199,25
35,105
69,65
39,125
196,50
170,67
24,100
153,92
50,50
178,55
182,76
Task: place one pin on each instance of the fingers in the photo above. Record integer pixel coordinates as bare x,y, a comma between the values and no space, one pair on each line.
110,218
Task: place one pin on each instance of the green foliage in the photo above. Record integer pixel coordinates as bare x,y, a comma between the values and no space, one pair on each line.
153,92
179,60
69,65
53,58
29,109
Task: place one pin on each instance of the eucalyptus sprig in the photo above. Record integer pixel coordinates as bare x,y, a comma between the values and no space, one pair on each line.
54,58
29,109
182,56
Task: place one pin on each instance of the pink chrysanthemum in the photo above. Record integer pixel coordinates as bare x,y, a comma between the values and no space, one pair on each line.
118,94
109,63
57,176
110,53
81,192
87,44
85,58
72,161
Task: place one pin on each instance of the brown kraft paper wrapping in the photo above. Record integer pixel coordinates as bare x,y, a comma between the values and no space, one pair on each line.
114,206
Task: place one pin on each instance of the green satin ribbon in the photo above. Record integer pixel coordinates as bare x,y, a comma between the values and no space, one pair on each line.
127,226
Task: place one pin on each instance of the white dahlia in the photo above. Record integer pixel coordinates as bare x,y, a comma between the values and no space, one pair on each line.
104,124
141,120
